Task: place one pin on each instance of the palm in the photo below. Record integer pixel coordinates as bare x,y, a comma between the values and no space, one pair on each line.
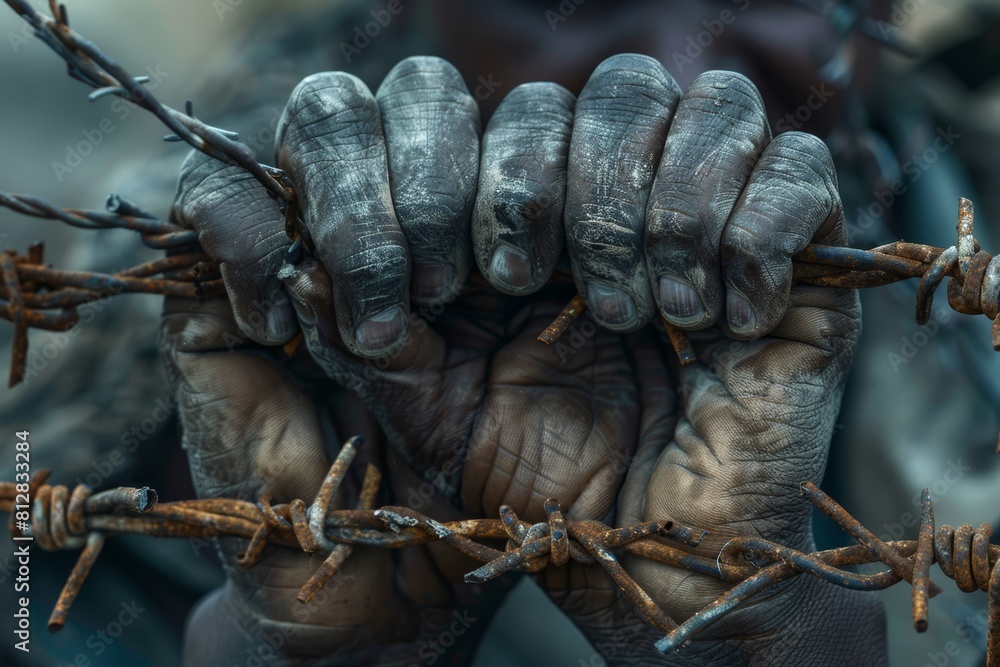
525,421
613,428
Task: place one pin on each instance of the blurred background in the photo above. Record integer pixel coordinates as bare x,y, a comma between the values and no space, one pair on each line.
909,134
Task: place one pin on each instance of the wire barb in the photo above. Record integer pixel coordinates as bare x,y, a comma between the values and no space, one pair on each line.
974,288
60,520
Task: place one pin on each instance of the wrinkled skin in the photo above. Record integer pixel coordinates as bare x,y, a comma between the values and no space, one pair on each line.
665,202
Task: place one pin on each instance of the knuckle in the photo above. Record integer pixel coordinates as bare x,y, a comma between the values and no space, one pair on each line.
424,72
743,241
730,96
217,197
539,93
632,68
371,259
539,114
724,85
512,211
328,96
604,238
805,152
432,219
671,222
630,82
340,86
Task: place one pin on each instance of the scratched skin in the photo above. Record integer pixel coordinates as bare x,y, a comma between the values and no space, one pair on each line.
659,201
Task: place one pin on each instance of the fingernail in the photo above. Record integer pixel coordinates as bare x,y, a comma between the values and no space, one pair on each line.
740,314
610,305
510,267
680,302
380,331
279,323
303,309
431,281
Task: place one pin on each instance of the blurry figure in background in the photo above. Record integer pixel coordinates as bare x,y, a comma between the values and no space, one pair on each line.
921,409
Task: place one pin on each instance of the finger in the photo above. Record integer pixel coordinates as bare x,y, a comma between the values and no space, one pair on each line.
239,226
312,294
718,133
408,391
431,126
622,116
791,198
517,226
330,141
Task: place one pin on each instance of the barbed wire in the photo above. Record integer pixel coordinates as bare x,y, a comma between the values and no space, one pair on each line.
33,295
81,519
974,288
90,65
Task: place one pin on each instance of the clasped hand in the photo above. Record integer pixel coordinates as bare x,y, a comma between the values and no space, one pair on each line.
655,201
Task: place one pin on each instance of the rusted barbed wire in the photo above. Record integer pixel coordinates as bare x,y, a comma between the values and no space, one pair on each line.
974,287
88,64
36,296
59,519
975,275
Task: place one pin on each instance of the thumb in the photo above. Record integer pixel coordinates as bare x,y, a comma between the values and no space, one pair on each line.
248,428
757,418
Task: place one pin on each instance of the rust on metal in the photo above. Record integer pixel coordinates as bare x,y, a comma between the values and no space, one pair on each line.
95,542
15,312
922,563
63,520
569,314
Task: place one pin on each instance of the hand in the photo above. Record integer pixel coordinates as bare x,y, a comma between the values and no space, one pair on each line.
666,203
257,422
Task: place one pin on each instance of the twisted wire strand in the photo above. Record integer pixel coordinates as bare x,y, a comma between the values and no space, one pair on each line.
60,519
963,554
30,291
